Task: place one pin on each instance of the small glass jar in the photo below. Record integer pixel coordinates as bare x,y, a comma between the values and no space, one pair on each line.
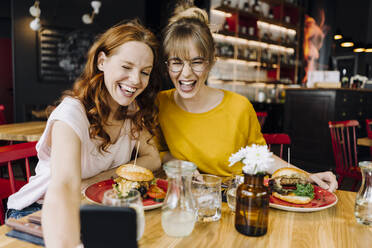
252,206
231,191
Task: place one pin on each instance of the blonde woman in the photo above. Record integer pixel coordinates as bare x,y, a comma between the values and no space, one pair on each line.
199,123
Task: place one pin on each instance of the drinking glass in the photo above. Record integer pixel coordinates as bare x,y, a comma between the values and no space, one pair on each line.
207,192
133,200
231,191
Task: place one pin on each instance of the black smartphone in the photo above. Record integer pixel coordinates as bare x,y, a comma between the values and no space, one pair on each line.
106,226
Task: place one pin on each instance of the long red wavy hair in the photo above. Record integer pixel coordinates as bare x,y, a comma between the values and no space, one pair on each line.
90,88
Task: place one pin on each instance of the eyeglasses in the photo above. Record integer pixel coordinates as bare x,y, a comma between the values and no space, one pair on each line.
196,65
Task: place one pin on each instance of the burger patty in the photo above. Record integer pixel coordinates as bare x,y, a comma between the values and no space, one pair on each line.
284,185
292,181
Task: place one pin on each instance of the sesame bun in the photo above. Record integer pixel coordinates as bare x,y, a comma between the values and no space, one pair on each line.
289,171
134,173
292,198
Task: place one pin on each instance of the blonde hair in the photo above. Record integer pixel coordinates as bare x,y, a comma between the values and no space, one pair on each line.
188,24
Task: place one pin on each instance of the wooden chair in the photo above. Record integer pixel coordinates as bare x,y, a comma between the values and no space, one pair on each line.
277,139
369,131
344,147
261,116
8,154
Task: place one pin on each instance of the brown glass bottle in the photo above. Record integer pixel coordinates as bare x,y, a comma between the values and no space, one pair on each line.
252,206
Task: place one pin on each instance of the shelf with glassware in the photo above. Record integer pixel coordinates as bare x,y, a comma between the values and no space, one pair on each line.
251,60
249,34
284,21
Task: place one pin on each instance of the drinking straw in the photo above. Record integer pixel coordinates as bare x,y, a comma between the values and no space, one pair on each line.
289,156
135,159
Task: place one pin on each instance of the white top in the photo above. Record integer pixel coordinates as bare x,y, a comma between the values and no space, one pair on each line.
72,112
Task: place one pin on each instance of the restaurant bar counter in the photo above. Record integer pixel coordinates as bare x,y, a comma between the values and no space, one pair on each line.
306,115
334,227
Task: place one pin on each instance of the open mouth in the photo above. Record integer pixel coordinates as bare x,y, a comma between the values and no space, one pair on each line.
126,90
187,86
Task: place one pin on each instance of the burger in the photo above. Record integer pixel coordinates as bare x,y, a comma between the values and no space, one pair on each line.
291,185
132,177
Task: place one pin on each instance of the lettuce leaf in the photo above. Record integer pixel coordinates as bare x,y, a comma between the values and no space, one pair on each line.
304,190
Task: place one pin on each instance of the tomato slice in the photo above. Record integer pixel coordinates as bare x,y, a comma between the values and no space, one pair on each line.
156,192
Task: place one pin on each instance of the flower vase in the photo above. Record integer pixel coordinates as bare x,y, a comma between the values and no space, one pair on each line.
252,206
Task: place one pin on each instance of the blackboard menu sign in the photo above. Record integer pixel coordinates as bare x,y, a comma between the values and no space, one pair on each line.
62,53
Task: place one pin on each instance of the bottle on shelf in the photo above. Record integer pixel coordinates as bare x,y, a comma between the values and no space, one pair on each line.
253,54
246,53
271,14
243,29
251,31
226,2
287,19
256,7
274,58
246,6
344,79
226,25
241,52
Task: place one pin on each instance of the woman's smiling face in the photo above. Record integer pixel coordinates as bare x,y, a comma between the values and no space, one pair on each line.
188,82
127,71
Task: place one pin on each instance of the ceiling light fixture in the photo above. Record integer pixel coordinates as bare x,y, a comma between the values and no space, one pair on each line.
347,42
35,12
337,35
88,19
368,48
358,48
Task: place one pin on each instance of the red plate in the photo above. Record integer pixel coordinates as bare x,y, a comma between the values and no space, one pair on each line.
323,199
94,193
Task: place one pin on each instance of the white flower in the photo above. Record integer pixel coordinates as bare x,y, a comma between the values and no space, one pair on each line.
255,158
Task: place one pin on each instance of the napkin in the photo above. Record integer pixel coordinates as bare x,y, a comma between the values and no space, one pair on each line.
27,228
25,237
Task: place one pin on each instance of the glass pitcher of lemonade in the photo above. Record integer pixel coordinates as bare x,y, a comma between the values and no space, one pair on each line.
363,201
179,209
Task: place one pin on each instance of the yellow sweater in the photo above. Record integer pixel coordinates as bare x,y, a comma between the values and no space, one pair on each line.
208,139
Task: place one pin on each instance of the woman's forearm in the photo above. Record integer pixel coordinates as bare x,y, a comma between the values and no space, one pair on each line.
60,216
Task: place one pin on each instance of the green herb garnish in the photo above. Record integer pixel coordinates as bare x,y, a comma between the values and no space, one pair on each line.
304,190
154,181
118,192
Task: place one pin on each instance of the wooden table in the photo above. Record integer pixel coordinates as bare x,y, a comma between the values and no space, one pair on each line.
24,131
364,142
332,228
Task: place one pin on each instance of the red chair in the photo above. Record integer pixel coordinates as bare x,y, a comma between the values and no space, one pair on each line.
369,131
7,155
344,147
277,139
261,116
2,115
